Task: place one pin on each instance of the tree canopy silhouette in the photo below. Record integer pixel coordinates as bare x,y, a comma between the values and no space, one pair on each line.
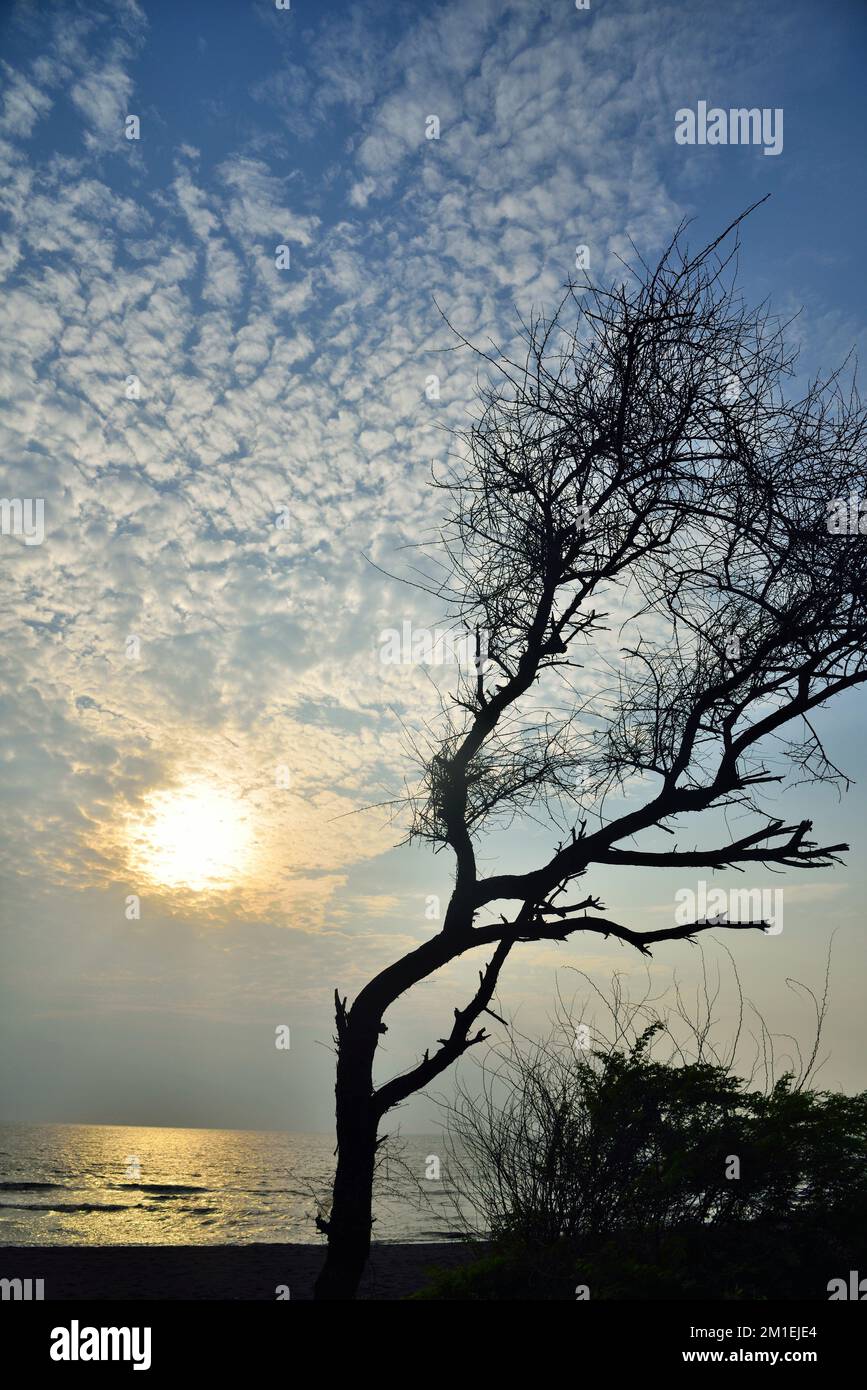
644,462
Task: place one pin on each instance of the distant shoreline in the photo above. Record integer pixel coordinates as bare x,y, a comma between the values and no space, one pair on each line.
218,1272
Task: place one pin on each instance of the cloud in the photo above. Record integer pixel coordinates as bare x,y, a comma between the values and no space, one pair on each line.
103,98
220,443
23,104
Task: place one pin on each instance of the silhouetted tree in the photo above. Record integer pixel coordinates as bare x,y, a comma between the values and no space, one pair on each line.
643,454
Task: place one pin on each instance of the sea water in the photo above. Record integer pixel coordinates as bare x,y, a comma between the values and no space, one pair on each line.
121,1185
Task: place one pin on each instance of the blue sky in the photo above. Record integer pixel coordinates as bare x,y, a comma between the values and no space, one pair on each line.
301,391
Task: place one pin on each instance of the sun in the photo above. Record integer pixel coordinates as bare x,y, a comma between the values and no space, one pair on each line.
197,837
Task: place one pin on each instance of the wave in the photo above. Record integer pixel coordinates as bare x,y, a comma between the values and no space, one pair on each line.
28,1186
275,1191
168,1188
420,1237
70,1206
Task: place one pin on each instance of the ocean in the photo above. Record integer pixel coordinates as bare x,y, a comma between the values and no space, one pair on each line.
121,1185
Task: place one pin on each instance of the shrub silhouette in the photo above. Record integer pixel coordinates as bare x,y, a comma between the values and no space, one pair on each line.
646,1178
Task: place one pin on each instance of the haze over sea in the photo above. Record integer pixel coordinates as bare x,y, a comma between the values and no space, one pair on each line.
123,1185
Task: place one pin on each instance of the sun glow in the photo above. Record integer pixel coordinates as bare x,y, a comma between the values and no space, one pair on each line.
197,837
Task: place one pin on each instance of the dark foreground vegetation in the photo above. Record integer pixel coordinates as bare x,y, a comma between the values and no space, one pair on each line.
607,1174
759,1260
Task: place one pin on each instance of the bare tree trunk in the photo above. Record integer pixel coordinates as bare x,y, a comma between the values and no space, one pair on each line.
350,1221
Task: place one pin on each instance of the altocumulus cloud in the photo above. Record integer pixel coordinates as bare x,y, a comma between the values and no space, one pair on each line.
173,392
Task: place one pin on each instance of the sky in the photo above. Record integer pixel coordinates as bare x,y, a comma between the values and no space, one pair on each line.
218,342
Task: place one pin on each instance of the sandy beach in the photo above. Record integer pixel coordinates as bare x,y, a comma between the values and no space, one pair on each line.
219,1272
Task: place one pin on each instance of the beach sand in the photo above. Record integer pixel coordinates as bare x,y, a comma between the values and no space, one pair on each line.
226,1272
